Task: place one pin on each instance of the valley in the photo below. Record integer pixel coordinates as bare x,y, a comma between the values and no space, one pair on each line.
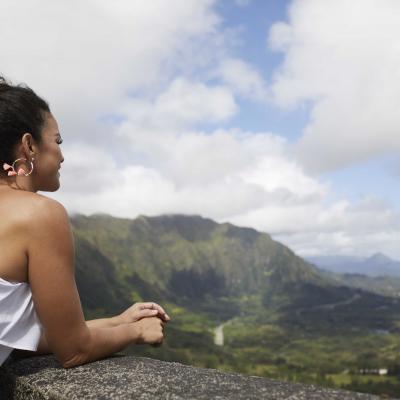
287,320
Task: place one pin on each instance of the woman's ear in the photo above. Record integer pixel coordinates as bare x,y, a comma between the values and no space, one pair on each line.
29,146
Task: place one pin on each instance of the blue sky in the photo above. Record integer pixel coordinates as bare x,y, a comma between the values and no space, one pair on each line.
374,177
370,178
279,115
253,23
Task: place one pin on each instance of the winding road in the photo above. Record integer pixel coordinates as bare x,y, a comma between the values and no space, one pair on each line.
219,335
219,330
330,306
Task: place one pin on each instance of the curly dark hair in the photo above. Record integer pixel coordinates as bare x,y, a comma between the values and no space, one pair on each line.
21,111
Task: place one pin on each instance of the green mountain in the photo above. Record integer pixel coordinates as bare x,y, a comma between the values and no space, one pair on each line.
384,285
216,268
191,256
283,318
377,265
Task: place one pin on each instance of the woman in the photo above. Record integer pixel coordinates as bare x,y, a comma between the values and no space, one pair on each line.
40,307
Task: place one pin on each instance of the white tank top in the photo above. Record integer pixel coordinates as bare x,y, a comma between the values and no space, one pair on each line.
20,327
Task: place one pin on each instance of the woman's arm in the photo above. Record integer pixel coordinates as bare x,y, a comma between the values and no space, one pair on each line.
44,348
51,276
104,322
132,314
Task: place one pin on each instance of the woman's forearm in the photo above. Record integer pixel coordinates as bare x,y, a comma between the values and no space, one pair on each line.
91,343
102,342
104,322
44,348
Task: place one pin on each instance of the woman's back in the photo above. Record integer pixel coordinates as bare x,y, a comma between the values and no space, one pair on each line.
20,327
16,212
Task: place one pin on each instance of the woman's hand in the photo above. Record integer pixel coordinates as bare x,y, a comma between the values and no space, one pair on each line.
148,331
142,310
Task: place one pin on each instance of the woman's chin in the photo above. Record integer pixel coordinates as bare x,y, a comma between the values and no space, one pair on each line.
56,186
50,187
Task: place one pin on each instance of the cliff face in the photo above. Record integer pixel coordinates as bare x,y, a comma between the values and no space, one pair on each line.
40,378
187,256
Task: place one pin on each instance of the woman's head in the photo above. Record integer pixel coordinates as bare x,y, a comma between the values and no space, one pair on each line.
28,130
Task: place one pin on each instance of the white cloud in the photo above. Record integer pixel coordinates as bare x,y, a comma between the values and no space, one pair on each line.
277,172
87,169
190,173
195,173
342,243
243,78
86,56
340,57
340,228
183,103
131,100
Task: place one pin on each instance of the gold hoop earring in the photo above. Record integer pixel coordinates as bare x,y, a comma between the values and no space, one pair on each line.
12,171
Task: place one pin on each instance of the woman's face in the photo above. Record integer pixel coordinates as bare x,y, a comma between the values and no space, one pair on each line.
48,159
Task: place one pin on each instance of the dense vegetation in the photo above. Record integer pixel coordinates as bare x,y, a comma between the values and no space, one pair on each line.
282,317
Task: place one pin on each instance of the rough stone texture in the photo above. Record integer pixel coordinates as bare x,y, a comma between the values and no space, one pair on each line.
120,377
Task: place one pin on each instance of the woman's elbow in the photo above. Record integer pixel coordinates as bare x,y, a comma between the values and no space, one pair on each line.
77,352
74,361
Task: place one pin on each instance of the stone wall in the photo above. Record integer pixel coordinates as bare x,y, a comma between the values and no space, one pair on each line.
121,377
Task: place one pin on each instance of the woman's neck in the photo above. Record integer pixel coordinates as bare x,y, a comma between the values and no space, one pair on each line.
16,184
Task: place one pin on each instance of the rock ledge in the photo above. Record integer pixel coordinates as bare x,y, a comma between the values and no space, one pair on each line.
128,377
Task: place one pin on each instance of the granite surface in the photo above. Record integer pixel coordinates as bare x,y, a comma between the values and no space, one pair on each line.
121,377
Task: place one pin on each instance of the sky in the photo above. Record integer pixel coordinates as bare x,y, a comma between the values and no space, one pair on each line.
277,115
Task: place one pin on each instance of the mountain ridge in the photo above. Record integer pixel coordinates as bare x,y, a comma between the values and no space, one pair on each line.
376,265
243,259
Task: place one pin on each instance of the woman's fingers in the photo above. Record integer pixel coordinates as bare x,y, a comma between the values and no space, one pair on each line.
141,310
147,313
155,306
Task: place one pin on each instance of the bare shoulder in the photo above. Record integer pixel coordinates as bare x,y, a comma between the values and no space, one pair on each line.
49,235
46,208
31,224
37,213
